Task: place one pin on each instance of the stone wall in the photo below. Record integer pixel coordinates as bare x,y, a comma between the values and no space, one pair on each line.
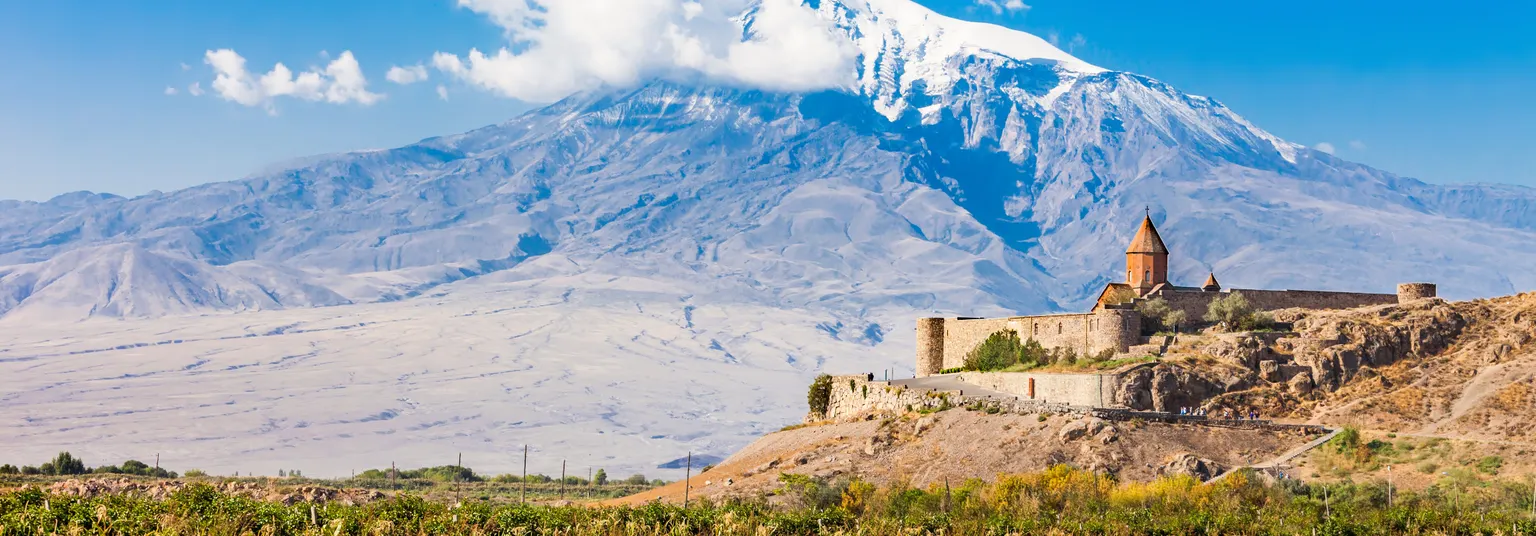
963,335
930,346
1086,334
1407,292
1092,390
1194,303
852,396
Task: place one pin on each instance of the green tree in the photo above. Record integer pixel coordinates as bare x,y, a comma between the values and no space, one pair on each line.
636,479
66,464
820,394
9,469
601,478
1003,349
1175,319
1232,312
1155,311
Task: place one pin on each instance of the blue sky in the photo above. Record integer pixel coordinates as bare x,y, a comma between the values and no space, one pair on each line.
1433,91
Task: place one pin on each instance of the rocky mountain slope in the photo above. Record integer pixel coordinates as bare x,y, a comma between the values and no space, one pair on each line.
985,157
1458,369
956,445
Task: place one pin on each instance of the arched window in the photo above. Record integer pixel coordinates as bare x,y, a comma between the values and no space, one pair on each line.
1058,328
1127,275
1148,276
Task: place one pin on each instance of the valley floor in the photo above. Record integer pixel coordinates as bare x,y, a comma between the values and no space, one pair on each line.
623,374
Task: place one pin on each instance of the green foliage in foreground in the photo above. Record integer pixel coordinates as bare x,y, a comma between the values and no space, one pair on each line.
1060,500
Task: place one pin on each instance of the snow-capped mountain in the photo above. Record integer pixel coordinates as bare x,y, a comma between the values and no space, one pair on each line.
730,242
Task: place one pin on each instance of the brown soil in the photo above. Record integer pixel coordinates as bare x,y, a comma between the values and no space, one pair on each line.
958,444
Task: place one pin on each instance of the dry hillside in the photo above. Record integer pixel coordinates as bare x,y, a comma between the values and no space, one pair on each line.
959,444
1456,369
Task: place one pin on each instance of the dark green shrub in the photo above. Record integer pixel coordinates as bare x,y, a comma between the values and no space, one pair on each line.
820,394
1003,349
1154,314
1490,464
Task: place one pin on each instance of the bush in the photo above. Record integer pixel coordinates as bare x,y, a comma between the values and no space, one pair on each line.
195,473
637,480
1490,465
1003,349
9,469
64,464
1155,312
820,394
30,470
1175,319
1233,312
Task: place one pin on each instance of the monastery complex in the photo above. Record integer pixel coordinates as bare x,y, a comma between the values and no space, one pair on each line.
1113,323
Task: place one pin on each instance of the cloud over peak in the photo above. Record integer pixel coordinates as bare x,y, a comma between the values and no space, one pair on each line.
558,47
340,82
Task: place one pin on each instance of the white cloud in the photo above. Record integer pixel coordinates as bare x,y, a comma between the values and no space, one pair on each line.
1324,147
170,90
562,46
185,67
999,6
406,75
340,82
195,90
442,92
1357,145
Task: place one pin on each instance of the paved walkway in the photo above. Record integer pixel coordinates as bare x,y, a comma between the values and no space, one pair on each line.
950,382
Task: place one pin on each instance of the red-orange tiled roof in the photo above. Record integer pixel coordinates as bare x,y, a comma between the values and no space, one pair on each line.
1147,240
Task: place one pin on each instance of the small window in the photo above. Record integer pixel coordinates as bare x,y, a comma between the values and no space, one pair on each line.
1058,328
1148,276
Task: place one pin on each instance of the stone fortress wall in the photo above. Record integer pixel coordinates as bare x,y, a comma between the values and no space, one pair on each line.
1196,302
942,343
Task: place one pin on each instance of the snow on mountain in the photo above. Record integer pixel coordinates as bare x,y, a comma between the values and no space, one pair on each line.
661,268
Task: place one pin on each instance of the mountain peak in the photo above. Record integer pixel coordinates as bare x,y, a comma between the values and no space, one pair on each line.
938,36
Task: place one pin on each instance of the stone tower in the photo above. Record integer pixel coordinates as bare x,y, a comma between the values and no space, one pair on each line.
1146,261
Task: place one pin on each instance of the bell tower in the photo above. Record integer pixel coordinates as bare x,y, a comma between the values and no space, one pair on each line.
1146,261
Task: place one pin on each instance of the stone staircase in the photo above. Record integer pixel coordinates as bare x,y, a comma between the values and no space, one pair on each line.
1152,346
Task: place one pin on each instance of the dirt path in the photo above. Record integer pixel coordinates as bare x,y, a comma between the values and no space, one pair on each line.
1284,460
1488,381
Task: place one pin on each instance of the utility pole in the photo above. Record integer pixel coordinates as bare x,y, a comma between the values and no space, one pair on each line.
392,472
1389,486
157,461
687,483
457,469
590,484
523,498
562,480
1327,509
